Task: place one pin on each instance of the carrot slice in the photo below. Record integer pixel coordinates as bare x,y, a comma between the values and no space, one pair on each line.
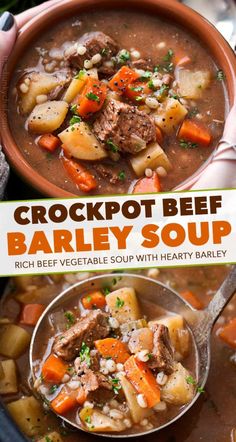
95,299
194,132
92,98
159,135
112,348
228,333
122,79
190,297
54,369
49,142
31,313
148,185
64,402
143,380
137,91
81,176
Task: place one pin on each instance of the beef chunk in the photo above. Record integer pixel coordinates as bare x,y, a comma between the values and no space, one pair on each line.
94,363
91,381
90,327
162,353
144,64
107,173
95,43
125,125
89,375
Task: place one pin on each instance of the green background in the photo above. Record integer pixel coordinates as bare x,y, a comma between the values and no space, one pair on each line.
16,6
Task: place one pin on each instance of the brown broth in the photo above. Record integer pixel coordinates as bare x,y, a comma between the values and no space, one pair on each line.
143,32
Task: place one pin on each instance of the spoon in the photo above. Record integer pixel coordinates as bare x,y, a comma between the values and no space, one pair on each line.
199,323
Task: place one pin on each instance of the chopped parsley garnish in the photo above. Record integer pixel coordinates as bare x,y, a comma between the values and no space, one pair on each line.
53,389
113,147
48,439
193,112
85,354
80,75
168,67
88,298
106,291
104,52
220,75
137,89
162,91
150,355
187,144
200,390
139,98
124,56
73,108
157,68
70,318
115,385
191,381
93,97
121,175
175,96
151,85
88,420
75,119
119,302
145,76
169,55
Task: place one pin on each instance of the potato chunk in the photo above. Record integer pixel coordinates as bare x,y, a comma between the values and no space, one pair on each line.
151,157
141,339
174,323
177,391
8,384
137,413
192,84
81,143
51,437
29,415
98,422
14,340
123,305
179,335
40,84
75,88
47,117
170,115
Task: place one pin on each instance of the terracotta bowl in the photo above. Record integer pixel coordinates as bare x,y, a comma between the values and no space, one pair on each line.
171,9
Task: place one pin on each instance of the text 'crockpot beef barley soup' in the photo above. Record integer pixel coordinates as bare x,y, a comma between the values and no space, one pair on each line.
117,102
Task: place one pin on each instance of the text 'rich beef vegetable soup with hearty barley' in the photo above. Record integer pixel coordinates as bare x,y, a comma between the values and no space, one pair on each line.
114,102
93,352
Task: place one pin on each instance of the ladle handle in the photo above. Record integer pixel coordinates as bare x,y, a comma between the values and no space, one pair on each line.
222,297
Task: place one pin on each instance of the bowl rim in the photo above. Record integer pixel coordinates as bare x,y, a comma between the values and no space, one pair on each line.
185,16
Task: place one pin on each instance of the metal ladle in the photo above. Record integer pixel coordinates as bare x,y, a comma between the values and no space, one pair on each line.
200,323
